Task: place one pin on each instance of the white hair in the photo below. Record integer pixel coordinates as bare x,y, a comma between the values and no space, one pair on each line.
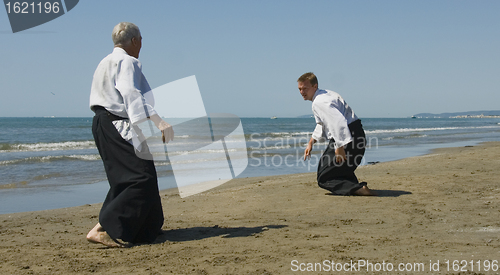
124,32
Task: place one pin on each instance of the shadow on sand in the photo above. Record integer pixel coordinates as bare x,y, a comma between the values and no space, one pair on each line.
198,233
384,193
391,193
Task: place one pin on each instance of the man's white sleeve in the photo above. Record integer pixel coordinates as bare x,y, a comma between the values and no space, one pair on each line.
128,82
318,131
334,122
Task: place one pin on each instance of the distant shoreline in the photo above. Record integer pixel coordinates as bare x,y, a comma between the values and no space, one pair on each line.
479,116
469,114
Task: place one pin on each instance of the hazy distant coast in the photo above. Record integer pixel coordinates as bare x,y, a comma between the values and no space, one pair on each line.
470,114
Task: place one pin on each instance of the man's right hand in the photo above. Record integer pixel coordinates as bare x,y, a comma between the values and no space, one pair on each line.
307,152
340,156
167,132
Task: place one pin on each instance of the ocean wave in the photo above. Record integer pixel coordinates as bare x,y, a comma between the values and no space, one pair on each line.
407,130
192,141
290,134
271,136
276,147
47,146
221,159
40,159
404,137
209,151
276,135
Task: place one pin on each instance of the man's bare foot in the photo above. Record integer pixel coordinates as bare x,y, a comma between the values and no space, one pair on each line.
364,191
98,235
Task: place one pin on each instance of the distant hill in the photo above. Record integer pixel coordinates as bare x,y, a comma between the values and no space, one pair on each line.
471,113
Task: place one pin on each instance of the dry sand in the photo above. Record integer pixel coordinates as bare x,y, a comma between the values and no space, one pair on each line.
438,207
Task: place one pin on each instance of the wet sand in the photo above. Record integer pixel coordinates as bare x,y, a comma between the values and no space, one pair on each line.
439,207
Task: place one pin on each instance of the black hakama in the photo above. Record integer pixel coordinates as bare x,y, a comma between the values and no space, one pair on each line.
132,210
340,178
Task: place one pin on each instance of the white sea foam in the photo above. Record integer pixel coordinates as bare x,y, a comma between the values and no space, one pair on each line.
50,146
284,134
40,159
209,151
288,146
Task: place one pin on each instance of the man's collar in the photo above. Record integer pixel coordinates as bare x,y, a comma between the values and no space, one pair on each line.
316,93
119,49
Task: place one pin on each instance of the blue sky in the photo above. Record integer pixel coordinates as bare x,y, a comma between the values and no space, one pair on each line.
386,58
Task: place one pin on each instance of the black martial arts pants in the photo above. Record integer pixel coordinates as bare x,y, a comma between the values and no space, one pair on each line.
339,178
132,209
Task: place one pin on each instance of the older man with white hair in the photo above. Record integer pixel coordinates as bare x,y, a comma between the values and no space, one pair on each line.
121,98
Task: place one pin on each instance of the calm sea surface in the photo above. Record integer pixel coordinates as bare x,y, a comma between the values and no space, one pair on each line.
53,162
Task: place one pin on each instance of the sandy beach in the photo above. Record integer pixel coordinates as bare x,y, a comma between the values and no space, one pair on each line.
443,207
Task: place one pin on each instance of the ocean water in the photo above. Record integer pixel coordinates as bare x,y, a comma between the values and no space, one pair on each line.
53,162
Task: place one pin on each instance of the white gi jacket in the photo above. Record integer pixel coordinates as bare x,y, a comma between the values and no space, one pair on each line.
120,87
332,115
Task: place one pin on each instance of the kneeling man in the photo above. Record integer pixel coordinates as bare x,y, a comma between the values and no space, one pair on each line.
336,122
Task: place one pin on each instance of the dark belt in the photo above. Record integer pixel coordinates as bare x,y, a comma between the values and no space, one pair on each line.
99,110
355,124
